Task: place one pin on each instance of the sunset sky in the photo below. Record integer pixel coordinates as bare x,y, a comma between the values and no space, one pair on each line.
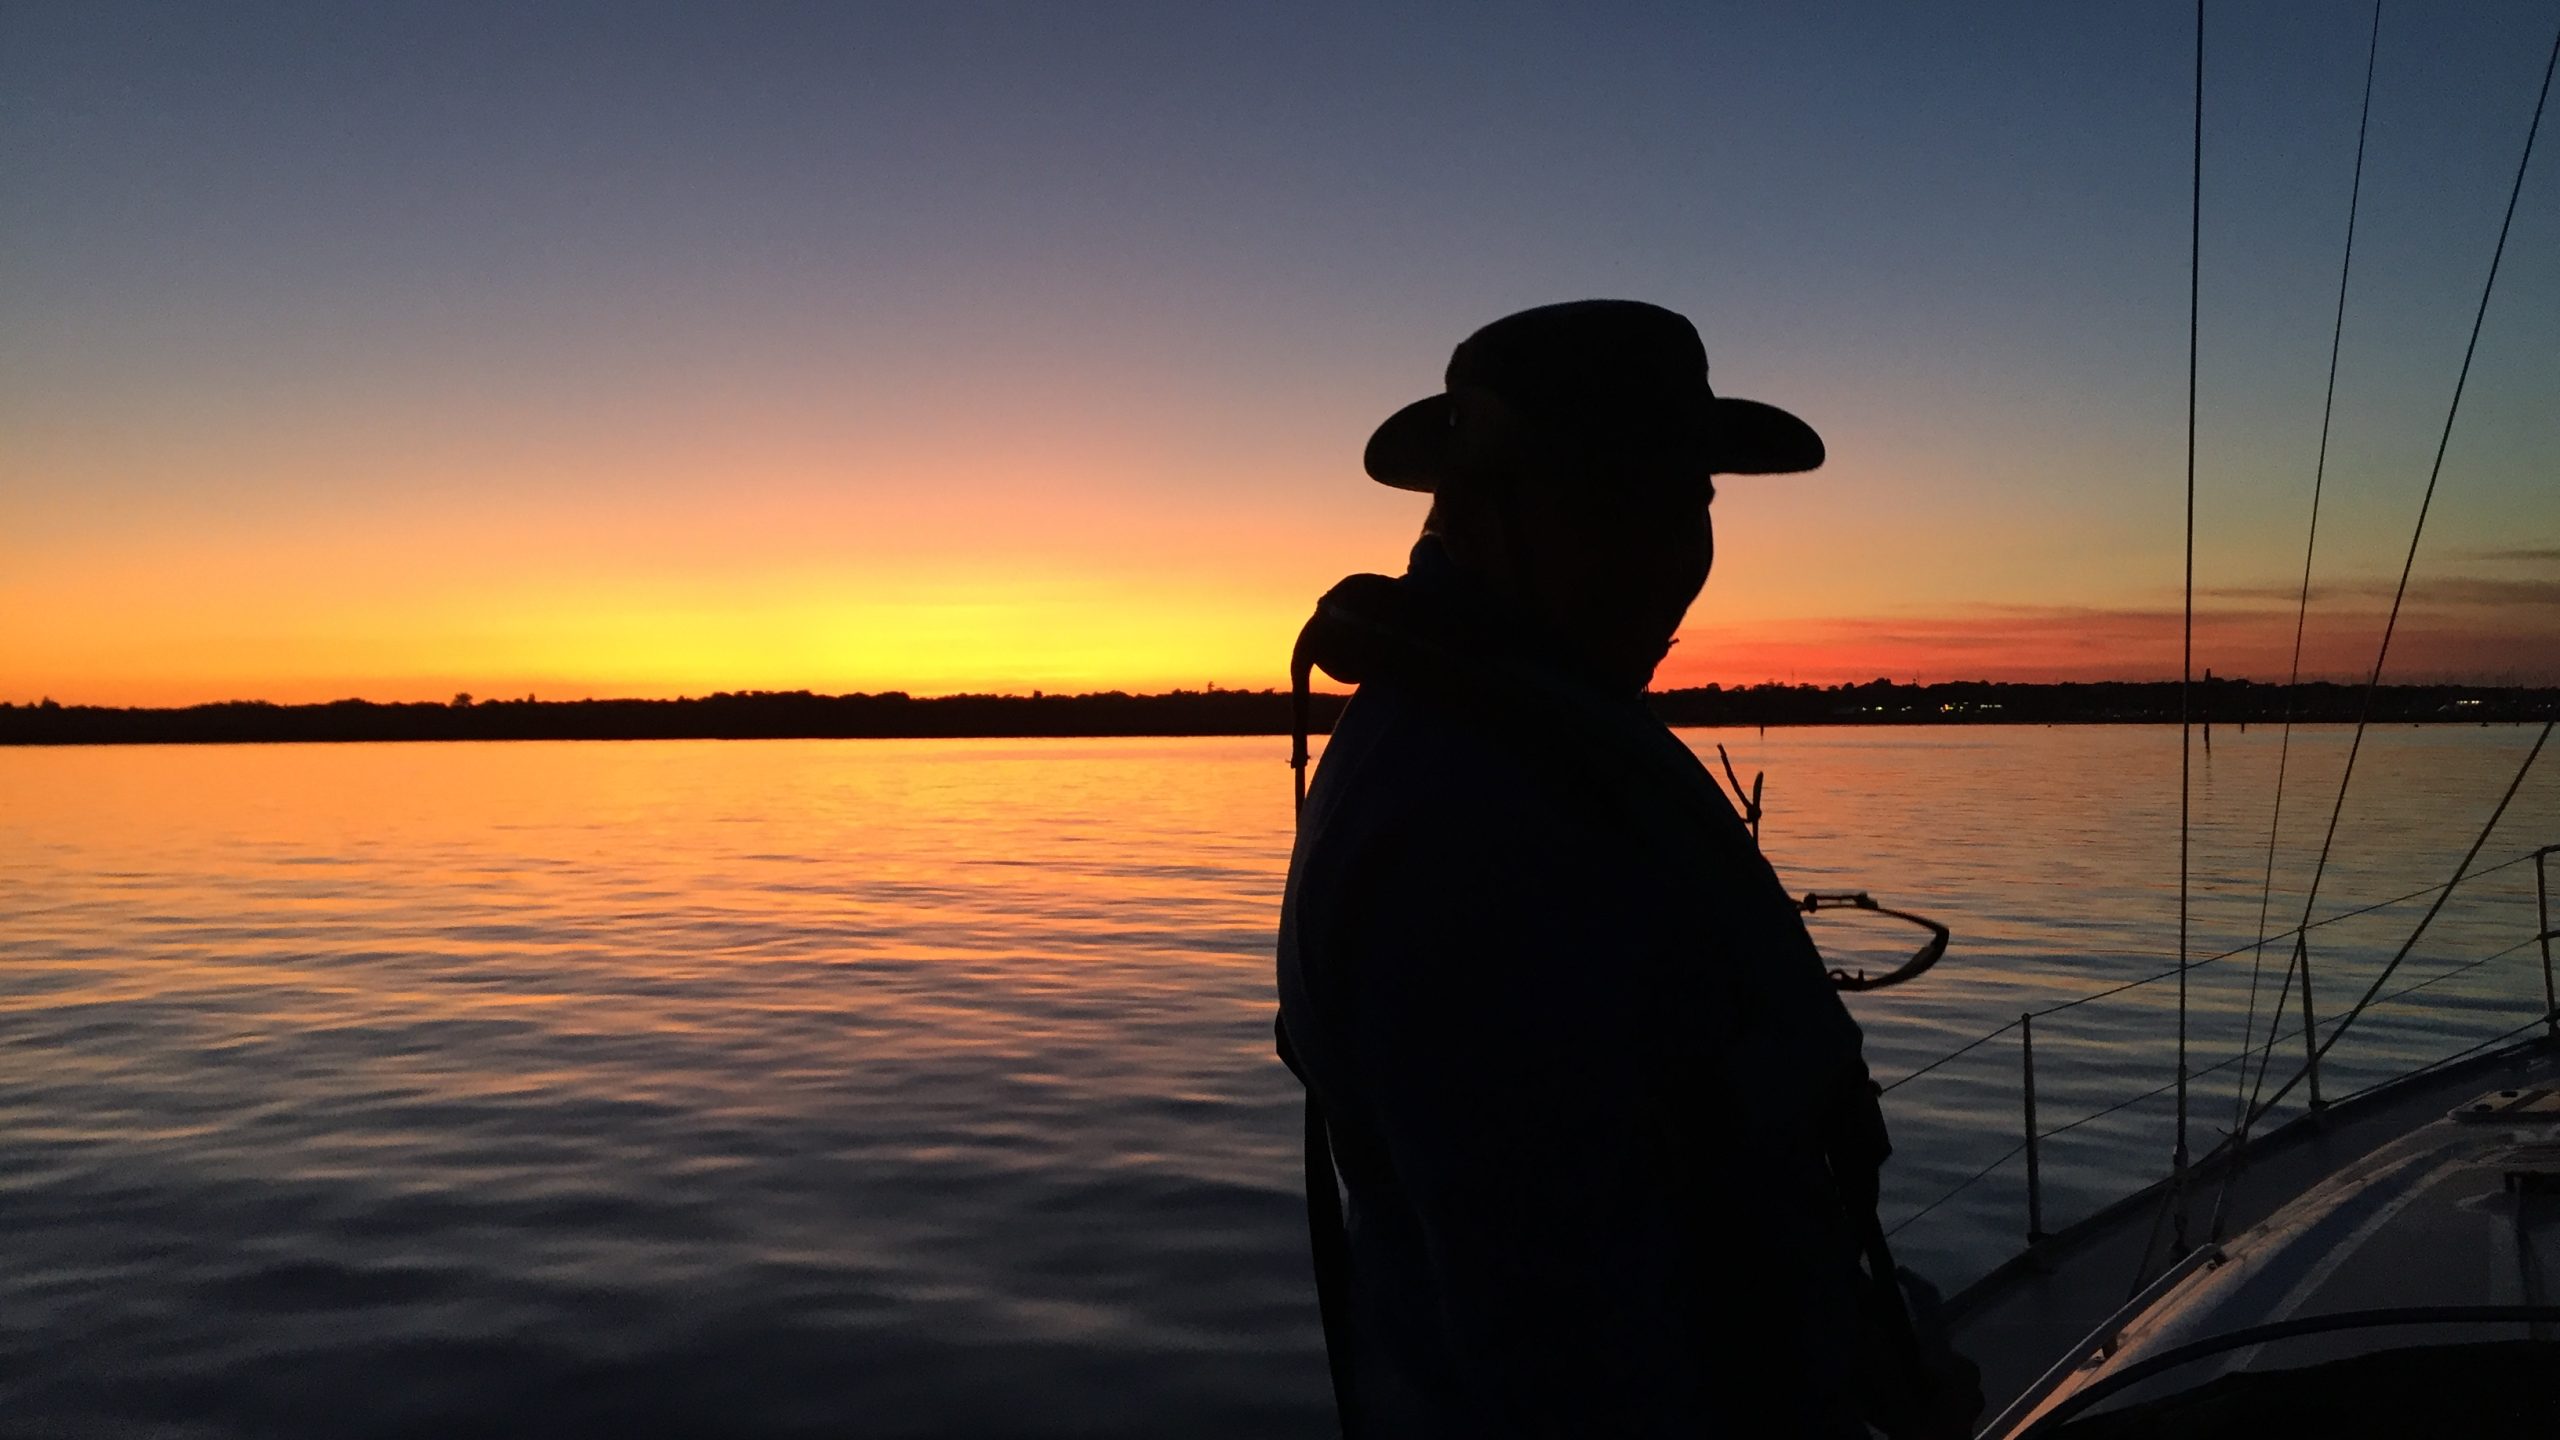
637,349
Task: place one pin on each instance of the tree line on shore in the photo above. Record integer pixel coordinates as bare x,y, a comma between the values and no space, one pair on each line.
769,714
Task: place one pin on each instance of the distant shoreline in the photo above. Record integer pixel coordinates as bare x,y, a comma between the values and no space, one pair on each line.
776,715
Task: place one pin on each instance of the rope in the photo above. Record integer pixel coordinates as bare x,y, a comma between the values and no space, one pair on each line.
2302,608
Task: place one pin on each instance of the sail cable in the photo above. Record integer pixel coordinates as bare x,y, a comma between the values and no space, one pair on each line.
2186,675
2434,472
2444,441
2339,1031
2301,616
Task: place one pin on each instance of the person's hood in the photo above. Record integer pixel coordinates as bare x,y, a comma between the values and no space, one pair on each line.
1438,626
1436,612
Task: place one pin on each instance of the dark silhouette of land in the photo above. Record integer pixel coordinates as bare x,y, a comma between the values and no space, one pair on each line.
798,714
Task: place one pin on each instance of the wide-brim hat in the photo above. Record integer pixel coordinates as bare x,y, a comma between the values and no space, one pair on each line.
1602,376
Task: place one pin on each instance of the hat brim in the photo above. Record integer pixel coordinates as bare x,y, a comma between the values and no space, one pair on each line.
1412,450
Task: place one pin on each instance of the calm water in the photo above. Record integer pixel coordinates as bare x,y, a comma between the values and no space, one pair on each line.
905,1088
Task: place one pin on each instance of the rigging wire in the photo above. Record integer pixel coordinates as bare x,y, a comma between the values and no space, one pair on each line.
2173,1194
2338,1031
2187,658
2400,592
2301,616
2435,472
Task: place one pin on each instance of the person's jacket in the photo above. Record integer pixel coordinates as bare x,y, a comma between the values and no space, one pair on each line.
1572,1045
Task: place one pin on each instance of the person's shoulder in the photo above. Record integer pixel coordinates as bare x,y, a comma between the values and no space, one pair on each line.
1403,754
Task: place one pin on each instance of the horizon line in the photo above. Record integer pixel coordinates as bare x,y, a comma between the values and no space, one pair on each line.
1037,694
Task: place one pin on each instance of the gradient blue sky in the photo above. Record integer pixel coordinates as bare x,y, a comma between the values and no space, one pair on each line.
394,350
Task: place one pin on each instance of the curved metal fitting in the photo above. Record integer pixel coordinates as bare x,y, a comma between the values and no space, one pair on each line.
1817,901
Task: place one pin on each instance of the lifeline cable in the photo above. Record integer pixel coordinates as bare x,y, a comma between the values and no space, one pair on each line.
2139,981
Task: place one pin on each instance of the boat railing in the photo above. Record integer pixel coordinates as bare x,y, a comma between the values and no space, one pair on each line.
2316,1037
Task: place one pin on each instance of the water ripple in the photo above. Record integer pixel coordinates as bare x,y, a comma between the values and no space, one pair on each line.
924,1088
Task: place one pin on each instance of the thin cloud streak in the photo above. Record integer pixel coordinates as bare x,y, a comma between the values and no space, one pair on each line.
2470,590
2481,639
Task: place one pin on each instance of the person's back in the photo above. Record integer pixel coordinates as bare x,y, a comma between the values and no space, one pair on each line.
1570,1156
1574,1058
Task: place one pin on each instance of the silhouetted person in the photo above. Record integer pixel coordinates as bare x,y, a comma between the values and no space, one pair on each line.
1603,1126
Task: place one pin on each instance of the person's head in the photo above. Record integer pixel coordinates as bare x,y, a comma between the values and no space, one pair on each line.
1570,464
1608,550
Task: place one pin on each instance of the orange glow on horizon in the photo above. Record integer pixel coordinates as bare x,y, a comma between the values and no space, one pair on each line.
785,560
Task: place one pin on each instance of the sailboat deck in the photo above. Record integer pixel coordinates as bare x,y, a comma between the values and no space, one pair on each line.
2036,1310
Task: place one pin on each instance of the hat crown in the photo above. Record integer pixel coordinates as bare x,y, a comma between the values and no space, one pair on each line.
1591,365
1605,378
